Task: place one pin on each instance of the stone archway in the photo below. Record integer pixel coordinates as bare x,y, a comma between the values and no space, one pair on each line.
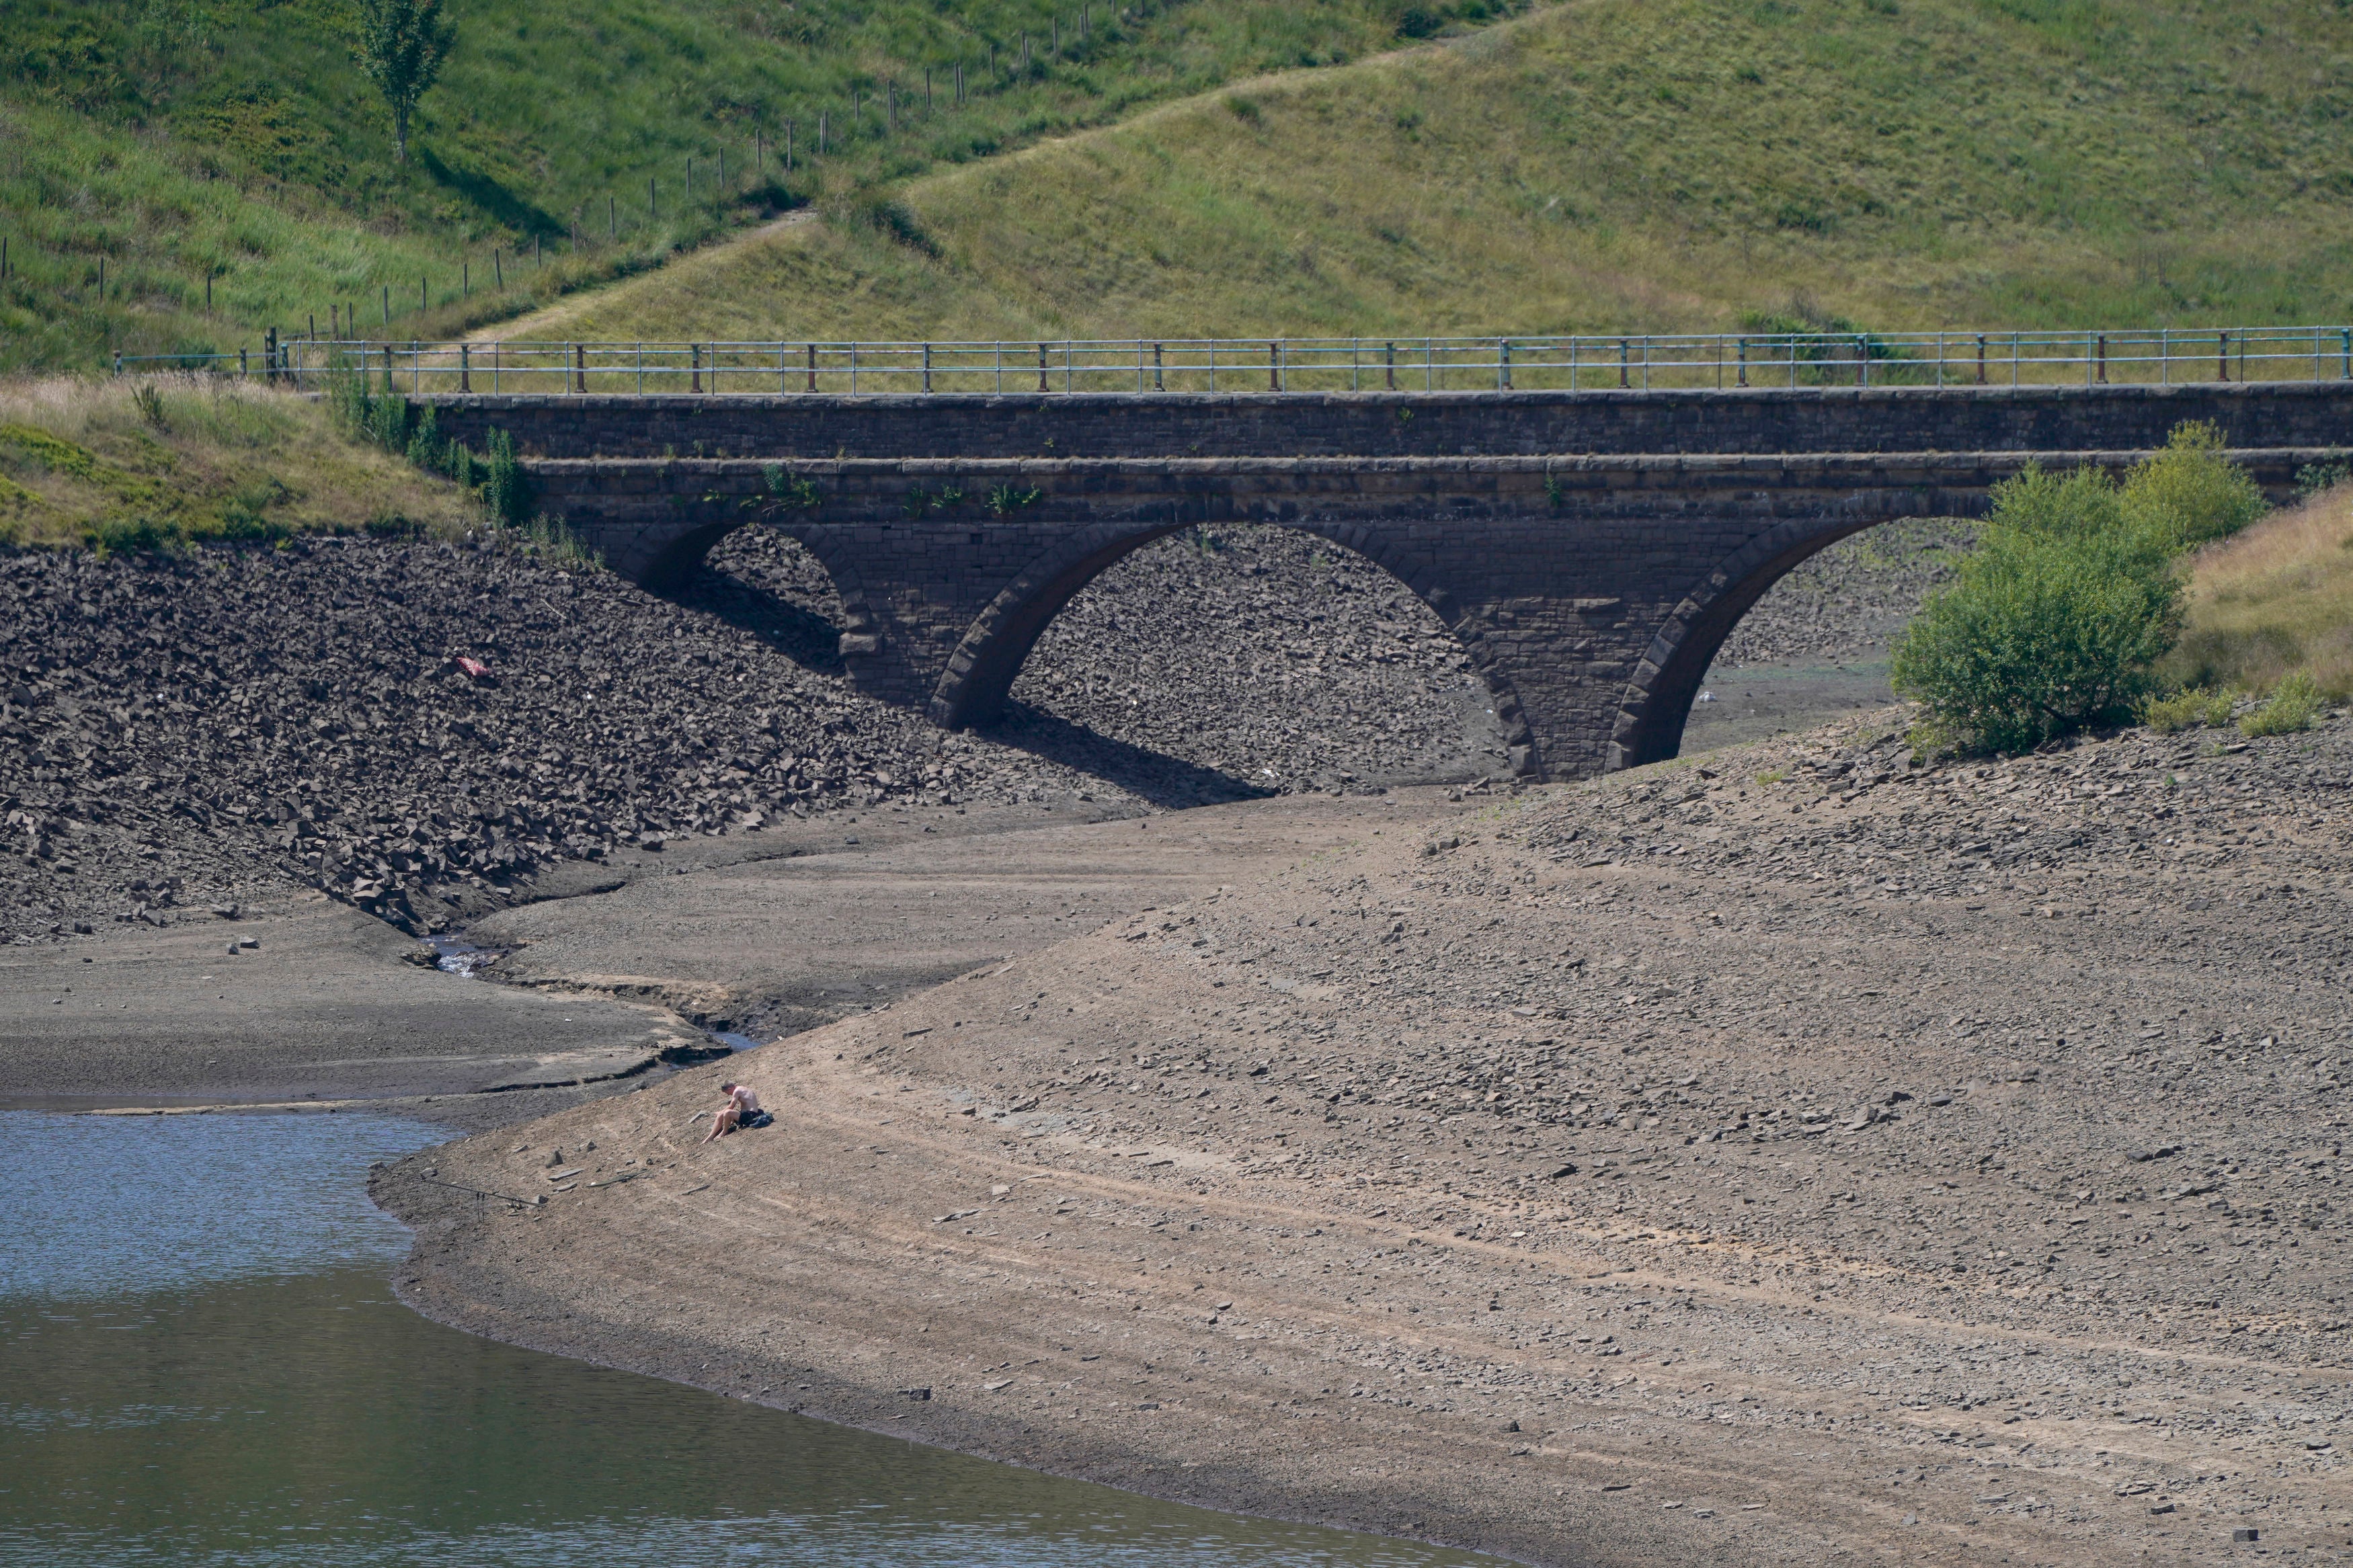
981,671
1658,697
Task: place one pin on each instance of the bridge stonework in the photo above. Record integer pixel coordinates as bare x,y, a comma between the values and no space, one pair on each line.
1591,550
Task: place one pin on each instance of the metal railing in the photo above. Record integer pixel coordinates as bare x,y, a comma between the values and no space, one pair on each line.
1579,362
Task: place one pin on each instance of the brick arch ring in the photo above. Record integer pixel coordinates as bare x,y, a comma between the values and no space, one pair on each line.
1658,700
981,671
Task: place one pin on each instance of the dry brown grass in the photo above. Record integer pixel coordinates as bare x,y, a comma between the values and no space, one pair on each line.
2276,599
83,463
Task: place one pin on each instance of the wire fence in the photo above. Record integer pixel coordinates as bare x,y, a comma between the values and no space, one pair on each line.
1304,366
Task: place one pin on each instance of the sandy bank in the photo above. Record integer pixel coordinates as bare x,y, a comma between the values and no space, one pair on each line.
1818,1156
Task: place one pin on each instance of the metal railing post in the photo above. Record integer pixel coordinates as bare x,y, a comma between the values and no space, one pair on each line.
1158,384
1274,367
579,367
1744,362
783,373
1503,365
1981,358
1623,350
2345,341
1041,367
812,367
694,367
2222,356
853,370
1389,364
1862,359
465,368
1572,361
927,367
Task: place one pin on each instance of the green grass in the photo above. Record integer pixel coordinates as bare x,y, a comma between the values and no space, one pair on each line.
2275,603
178,141
1625,165
161,461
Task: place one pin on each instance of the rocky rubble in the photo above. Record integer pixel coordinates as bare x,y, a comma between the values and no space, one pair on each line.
1850,601
411,727
1268,656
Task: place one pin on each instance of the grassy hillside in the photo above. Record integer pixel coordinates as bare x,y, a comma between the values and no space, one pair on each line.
100,465
177,141
1630,163
2275,600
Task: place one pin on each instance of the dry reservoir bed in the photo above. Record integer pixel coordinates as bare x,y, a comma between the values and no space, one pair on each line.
1794,1155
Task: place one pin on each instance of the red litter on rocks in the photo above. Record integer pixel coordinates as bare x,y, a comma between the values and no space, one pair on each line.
474,667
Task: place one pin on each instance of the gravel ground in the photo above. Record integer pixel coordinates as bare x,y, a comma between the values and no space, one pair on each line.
1807,1155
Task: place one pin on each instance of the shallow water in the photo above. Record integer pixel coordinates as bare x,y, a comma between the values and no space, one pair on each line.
201,1363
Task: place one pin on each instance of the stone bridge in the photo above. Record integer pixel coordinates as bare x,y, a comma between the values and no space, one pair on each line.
1591,549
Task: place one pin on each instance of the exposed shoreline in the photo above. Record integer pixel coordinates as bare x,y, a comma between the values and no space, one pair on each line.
1801,1169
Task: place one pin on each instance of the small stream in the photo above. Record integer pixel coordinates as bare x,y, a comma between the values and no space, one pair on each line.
201,1362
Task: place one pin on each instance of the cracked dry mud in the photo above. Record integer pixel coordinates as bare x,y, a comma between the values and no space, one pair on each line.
1805,1155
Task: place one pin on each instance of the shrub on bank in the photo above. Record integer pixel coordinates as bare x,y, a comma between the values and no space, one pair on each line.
2191,489
2059,617
2183,709
2293,706
386,419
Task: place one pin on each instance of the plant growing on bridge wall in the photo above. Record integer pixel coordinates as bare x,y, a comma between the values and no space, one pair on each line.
1005,500
786,492
919,501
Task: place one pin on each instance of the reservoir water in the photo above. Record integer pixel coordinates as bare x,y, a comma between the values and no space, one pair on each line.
201,1363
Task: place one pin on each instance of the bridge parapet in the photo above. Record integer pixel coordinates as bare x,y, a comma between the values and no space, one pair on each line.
1403,424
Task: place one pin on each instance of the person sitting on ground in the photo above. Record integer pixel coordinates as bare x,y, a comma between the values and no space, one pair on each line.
743,1109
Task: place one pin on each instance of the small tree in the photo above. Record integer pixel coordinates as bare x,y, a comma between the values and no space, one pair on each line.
2193,489
400,48
2056,621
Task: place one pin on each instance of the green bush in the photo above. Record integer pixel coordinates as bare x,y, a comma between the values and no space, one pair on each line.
2054,621
2058,619
2293,703
2184,709
2191,489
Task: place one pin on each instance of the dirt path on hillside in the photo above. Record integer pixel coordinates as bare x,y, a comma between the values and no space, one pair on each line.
1806,1155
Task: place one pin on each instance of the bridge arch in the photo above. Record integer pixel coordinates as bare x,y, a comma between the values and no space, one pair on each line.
980,673
1657,701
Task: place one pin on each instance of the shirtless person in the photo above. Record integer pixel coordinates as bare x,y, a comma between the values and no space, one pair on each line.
743,1109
